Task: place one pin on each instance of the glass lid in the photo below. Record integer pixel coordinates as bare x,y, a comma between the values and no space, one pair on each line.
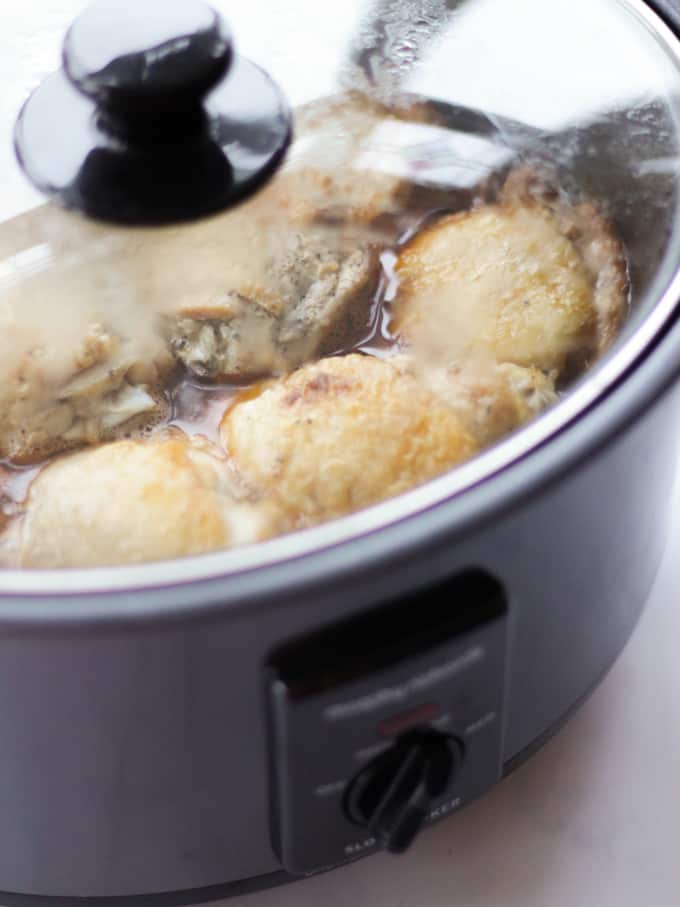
268,287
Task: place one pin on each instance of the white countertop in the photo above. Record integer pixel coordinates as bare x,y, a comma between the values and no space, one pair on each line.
593,820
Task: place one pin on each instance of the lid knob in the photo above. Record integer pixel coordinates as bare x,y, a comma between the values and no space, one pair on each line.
164,58
152,119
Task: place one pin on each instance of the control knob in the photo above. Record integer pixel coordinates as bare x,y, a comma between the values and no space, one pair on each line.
393,795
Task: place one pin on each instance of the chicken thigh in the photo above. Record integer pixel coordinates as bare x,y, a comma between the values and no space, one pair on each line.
531,280
135,501
341,434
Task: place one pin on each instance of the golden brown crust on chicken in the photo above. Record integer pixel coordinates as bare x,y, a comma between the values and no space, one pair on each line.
495,305
93,319
342,434
491,400
132,502
287,277
317,299
82,360
52,403
593,236
339,196
530,280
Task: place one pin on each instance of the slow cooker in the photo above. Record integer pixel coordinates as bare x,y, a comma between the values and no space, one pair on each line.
183,731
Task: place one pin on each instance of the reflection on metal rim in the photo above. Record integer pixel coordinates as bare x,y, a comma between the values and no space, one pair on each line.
599,381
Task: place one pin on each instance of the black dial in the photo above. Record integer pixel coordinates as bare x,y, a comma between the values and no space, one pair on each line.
392,796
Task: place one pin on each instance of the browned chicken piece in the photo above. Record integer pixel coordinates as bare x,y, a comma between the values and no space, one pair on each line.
93,318
315,298
49,406
531,280
82,359
491,399
325,192
287,277
341,434
135,501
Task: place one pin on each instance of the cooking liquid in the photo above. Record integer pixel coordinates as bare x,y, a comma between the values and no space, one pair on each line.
197,407
14,484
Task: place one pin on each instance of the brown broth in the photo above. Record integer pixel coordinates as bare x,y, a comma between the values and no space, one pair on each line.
14,483
197,407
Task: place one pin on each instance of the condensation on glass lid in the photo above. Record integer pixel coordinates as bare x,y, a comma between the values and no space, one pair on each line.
548,65
300,449
430,271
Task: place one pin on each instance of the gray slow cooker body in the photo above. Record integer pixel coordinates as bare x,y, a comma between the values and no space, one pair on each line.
133,741
134,746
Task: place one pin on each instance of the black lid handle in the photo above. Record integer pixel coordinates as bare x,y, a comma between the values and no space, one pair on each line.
147,56
150,92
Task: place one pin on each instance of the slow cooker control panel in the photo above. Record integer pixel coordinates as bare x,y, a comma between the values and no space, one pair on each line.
385,723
